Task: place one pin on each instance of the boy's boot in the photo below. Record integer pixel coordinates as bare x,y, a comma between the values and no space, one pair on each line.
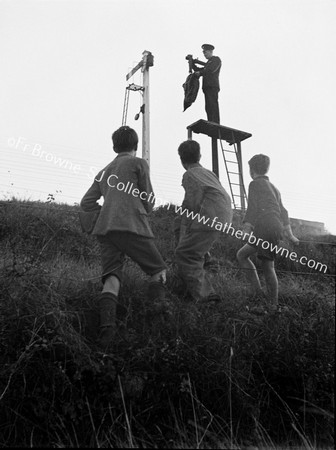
107,311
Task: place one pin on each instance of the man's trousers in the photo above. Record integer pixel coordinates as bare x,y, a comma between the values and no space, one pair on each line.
211,104
189,257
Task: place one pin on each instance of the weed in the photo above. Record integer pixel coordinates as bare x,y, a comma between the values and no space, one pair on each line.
196,377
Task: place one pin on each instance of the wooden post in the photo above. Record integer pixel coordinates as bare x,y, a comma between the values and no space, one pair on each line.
144,64
233,137
145,116
214,147
215,167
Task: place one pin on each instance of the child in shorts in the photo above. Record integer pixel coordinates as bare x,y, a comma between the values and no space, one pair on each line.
206,208
269,221
122,227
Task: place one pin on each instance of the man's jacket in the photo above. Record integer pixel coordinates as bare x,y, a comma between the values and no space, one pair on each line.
264,202
210,73
128,197
204,195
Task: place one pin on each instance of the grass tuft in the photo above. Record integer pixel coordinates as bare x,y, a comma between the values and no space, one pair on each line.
198,376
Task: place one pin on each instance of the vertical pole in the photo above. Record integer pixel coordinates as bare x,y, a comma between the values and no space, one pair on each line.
145,116
241,181
189,134
215,168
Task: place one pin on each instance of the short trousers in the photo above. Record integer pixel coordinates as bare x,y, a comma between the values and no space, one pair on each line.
189,257
142,250
269,231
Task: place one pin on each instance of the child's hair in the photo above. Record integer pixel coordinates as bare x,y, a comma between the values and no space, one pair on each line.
259,164
189,151
124,139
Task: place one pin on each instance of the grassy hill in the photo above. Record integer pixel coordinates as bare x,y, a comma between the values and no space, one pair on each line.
196,377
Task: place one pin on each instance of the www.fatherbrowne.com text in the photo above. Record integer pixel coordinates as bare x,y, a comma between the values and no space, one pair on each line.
214,223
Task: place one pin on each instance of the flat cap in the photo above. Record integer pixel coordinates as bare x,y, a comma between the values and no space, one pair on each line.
208,47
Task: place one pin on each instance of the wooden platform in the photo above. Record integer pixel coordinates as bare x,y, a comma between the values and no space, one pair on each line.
215,130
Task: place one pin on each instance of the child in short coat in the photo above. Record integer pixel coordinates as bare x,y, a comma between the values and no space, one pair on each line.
122,227
210,206
269,221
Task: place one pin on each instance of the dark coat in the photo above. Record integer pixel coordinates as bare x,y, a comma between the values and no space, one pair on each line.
191,87
264,201
210,73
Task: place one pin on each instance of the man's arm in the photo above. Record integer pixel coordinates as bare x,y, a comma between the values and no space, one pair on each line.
283,212
213,66
193,193
145,185
90,200
197,61
290,236
198,70
177,228
285,220
252,208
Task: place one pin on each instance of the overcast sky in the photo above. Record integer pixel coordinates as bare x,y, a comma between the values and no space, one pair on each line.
63,69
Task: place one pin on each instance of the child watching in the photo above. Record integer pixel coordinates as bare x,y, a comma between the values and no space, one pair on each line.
206,198
268,219
122,227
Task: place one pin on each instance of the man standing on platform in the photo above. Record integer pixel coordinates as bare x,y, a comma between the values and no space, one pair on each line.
210,85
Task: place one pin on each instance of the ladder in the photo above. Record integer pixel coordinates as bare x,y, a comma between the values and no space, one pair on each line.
234,172
232,158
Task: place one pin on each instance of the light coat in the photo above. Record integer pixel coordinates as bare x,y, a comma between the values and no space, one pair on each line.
205,195
128,197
